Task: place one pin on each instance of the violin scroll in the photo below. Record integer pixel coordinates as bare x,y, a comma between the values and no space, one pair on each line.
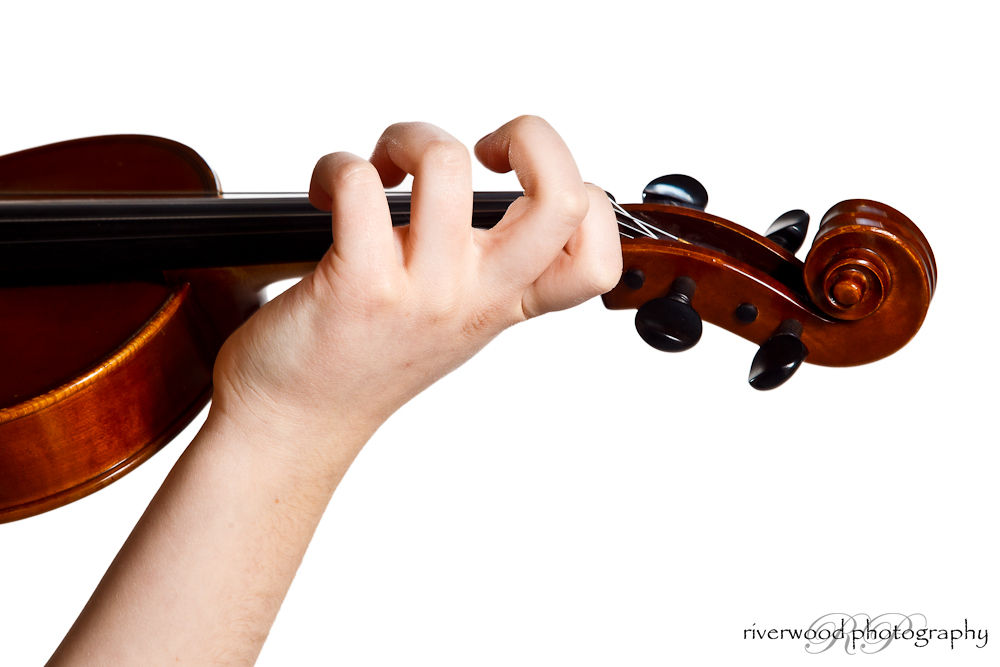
861,294
862,248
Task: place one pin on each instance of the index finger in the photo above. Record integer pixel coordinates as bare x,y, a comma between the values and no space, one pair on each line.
350,187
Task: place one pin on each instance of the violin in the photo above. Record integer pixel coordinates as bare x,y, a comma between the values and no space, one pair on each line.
123,269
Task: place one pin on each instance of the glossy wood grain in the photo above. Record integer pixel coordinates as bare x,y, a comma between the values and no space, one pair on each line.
97,377
100,373
861,294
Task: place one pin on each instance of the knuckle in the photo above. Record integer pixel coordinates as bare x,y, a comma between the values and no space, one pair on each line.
605,275
570,204
604,263
599,197
526,131
602,266
383,290
605,268
600,206
446,154
529,122
363,296
352,173
397,129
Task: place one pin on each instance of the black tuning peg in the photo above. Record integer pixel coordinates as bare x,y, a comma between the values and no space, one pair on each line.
676,190
779,357
669,323
789,230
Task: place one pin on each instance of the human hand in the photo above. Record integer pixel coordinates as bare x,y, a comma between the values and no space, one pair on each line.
303,384
387,310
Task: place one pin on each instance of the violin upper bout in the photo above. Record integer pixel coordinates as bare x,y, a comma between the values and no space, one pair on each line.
97,376
111,165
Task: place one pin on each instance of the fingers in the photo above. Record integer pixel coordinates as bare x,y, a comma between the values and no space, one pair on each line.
555,247
350,187
440,230
555,201
590,264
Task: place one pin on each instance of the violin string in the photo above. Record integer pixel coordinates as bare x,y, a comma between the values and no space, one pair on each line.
632,223
36,194
626,221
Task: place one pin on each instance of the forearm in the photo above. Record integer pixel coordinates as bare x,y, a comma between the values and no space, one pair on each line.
203,574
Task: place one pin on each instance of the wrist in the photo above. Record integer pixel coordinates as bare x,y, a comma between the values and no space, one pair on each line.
313,451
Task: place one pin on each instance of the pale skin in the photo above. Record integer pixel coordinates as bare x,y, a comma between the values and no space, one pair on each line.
307,380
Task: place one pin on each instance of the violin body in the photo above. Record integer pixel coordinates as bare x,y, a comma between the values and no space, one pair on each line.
107,352
98,376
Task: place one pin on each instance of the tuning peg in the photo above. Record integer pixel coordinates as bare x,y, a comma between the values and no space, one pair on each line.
779,357
669,323
789,230
676,190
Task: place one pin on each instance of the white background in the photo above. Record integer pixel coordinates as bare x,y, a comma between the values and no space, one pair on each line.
571,496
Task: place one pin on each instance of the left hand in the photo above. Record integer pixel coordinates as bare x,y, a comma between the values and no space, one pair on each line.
390,310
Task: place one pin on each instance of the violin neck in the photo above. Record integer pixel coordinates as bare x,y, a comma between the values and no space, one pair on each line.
102,238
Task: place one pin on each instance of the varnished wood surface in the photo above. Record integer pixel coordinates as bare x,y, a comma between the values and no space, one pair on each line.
79,437
97,377
731,265
114,165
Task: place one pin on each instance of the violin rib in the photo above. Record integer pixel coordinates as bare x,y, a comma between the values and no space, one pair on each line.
70,441
97,377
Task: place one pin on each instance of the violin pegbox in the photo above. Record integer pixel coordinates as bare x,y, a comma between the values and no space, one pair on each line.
860,295
669,323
